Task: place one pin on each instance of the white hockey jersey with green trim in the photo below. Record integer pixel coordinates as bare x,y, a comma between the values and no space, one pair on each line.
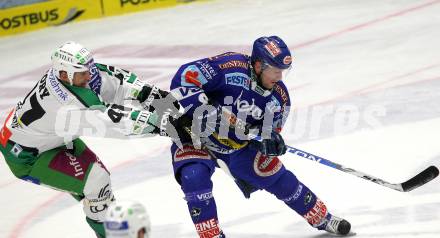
54,113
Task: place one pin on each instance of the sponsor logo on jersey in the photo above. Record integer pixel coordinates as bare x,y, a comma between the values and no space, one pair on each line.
74,166
273,48
294,196
208,229
189,152
238,79
266,166
229,142
62,95
283,94
233,120
207,69
73,161
193,76
316,215
234,64
250,108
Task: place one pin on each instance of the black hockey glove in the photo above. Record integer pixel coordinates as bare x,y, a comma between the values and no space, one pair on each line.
274,146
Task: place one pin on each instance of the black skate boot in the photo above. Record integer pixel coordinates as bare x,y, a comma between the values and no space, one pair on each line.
338,226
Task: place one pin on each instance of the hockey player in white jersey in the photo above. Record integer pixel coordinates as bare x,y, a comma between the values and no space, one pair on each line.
40,137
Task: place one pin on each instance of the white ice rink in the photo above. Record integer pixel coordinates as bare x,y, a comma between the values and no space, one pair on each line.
378,61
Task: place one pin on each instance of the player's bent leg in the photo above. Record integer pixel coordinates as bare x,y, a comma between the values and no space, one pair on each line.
193,169
98,196
78,172
302,200
197,185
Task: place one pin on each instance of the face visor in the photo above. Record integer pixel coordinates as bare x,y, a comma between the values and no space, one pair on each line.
272,73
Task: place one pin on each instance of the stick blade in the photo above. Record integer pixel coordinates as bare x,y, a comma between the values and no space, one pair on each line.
420,179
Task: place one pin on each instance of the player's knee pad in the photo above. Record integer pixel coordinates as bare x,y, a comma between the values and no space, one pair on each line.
285,186
97,193
195,177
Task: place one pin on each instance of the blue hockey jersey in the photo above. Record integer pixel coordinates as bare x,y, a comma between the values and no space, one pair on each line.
229,82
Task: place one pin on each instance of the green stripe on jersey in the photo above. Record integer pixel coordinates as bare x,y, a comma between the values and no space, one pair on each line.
85,95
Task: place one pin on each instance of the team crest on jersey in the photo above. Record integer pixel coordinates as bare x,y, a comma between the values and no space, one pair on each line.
238,79
193,76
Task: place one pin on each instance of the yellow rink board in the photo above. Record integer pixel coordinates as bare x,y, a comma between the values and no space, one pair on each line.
58,12
118,7
51,13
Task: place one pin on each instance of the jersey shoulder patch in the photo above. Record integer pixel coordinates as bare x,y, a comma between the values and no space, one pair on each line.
232,60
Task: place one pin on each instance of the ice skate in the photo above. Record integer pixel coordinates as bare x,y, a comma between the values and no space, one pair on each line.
338,226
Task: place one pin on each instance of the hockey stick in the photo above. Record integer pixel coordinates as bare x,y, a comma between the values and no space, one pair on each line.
420,179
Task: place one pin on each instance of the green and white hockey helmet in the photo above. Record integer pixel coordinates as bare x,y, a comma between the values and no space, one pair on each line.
125,219
71,57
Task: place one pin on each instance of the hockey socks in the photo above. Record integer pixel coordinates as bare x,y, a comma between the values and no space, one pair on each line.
300,198
197,185
98,227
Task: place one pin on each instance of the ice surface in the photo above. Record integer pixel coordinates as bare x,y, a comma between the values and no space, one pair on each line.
377,59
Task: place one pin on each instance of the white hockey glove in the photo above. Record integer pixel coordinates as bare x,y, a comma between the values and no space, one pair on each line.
144,122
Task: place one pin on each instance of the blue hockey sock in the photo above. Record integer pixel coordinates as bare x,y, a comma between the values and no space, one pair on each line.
299,198
197,185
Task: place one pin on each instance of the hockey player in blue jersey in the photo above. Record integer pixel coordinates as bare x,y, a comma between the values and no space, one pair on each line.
248,97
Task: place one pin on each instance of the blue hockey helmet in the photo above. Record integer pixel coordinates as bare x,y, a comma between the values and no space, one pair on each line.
272,51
